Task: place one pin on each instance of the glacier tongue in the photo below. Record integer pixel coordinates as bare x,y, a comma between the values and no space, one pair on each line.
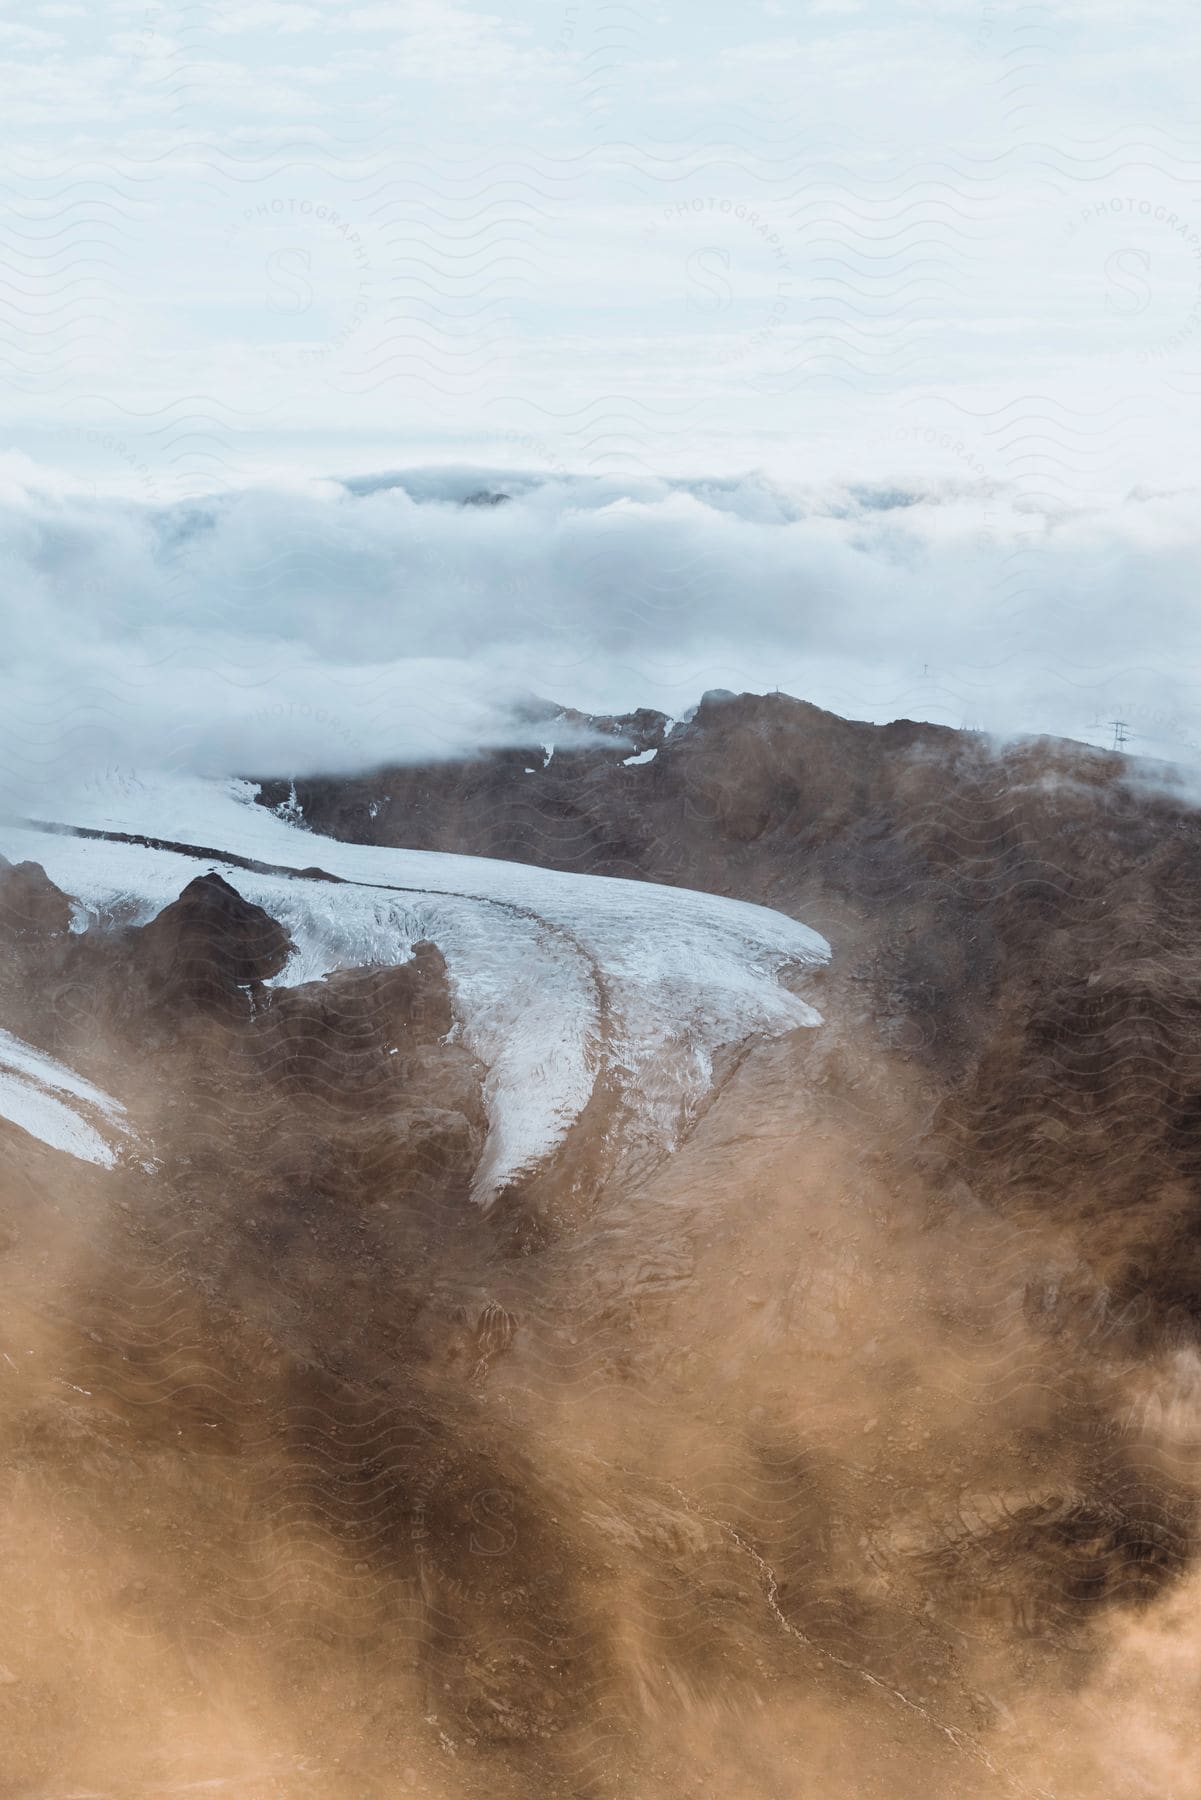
557,978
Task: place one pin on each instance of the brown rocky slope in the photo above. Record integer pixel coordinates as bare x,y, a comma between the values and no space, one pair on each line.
848,1450
1017,925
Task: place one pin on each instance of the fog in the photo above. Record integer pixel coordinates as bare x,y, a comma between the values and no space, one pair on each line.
322,626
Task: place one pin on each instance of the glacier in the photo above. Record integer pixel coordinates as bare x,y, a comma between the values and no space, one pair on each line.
557,979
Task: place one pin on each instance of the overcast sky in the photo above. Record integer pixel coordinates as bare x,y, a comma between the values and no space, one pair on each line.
955,246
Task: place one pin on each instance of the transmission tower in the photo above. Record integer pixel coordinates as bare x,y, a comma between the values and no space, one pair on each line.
1120,731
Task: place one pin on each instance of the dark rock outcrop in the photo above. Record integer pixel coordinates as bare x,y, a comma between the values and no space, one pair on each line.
209,946
31,907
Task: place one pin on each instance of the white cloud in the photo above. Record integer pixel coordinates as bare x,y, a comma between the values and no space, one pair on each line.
28,37
277,630
269,15
639,238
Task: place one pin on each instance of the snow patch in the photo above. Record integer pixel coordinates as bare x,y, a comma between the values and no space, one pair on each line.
643,756
290,810
54,1104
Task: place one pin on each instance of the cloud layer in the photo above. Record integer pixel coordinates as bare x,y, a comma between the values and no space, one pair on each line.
330,626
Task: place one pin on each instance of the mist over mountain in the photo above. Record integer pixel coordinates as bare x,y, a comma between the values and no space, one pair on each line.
334,627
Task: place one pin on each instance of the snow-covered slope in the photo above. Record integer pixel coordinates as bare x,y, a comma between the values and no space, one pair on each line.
558,978
51,1102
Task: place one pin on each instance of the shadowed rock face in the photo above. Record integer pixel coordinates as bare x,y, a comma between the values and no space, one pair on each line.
31,907
210,944
352,1031
363,1057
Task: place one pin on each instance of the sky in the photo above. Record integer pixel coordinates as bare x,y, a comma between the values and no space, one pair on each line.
950,250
